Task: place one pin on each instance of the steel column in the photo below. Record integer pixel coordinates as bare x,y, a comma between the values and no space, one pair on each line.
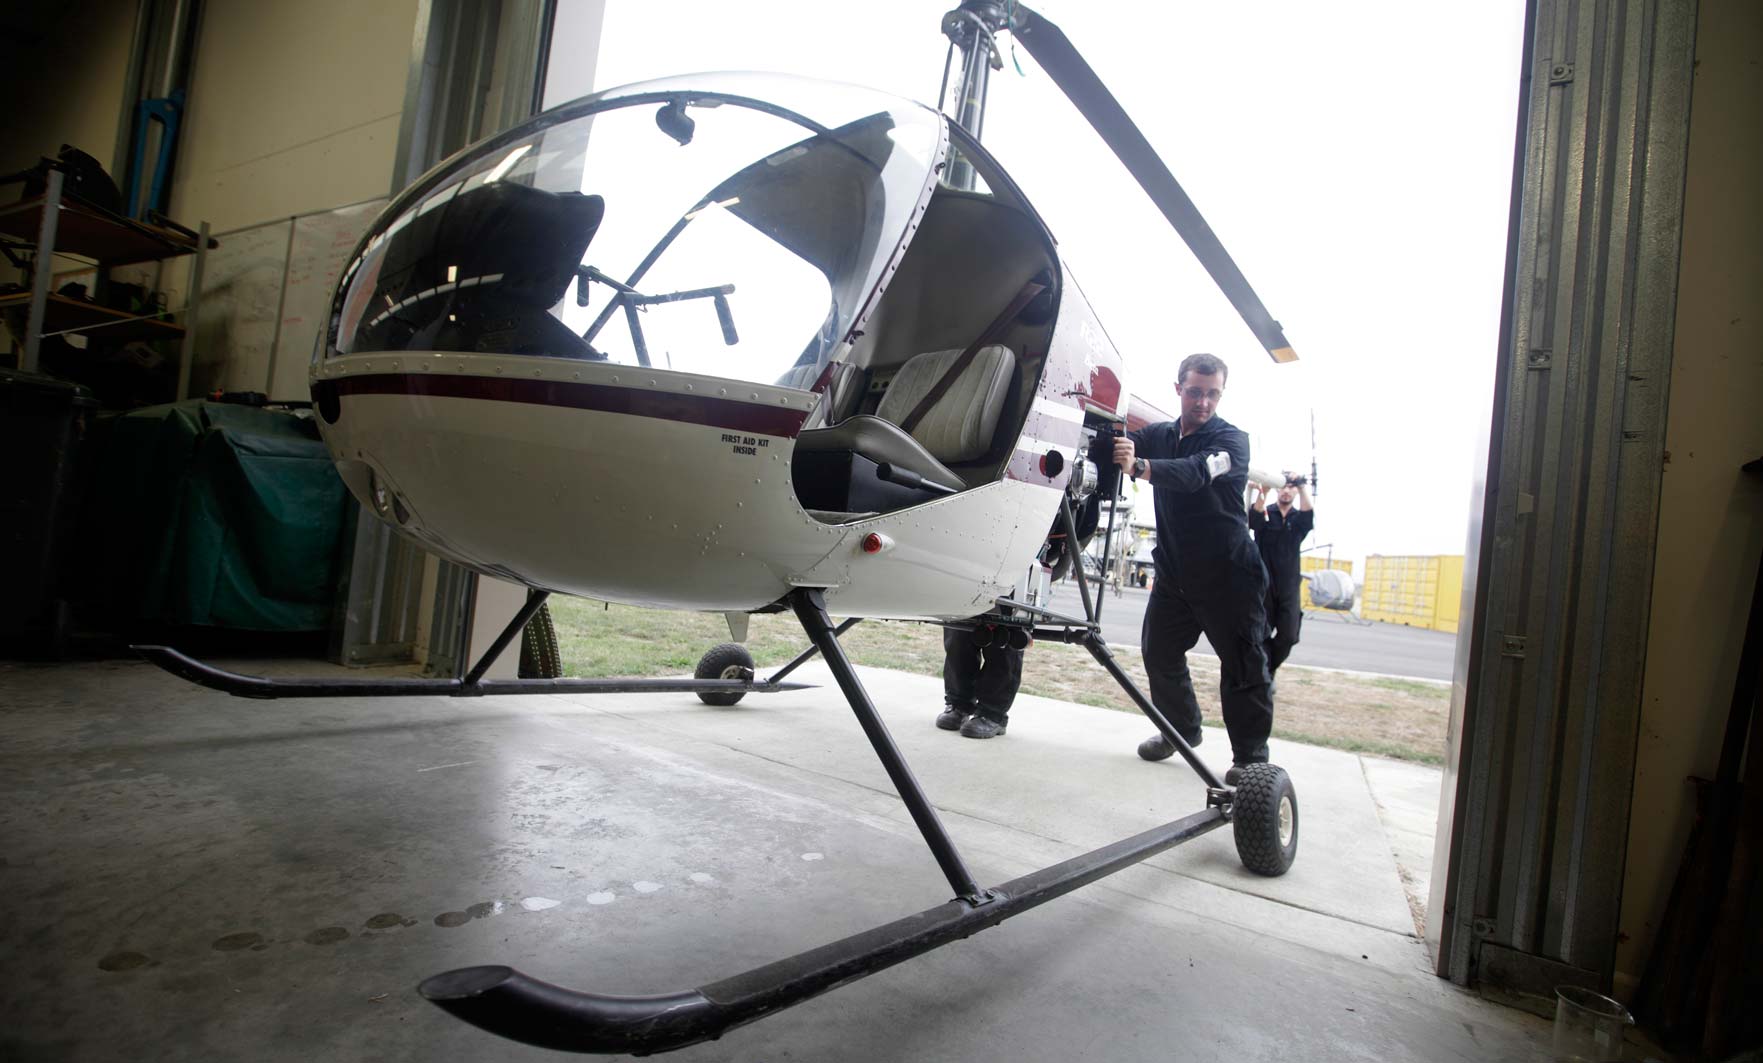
42,268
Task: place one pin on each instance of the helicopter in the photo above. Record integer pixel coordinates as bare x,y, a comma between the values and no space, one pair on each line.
743,343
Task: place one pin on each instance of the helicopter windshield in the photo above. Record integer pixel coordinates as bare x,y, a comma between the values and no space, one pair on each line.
728,225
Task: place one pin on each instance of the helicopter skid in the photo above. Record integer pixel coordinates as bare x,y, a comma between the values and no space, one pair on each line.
253,686
504,1001
511,1004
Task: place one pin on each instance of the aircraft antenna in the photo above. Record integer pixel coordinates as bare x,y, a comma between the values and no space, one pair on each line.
1313,451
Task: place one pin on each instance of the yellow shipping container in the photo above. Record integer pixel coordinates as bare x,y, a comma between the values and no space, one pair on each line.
1308,563
1420,591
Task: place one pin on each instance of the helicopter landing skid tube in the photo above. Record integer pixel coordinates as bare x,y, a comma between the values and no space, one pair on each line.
506,1002
256,686
471,684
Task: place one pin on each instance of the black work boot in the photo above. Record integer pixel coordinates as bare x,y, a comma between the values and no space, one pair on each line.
952,717
1157,747
978,726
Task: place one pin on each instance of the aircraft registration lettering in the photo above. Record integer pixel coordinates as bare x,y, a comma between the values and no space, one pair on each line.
740,444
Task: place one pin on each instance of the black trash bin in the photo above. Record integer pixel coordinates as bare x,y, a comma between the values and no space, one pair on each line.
42,424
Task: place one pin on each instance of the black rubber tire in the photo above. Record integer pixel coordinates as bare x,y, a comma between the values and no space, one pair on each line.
726,660
539,656
1255,817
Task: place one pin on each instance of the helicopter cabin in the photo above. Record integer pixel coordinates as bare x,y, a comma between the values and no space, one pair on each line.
869,446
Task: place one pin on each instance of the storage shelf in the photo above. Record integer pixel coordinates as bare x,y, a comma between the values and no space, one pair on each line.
93,233
65,313
109,239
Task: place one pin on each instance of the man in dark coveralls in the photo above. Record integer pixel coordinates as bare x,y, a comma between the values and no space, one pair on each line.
978,684
1279,531
1209,575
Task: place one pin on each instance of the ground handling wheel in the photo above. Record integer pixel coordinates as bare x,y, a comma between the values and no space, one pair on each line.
726,660
1265,818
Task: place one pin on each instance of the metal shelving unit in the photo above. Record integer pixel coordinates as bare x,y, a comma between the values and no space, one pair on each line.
55,222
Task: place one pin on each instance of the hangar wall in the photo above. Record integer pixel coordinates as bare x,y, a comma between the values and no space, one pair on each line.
85,57
293,107
1711,516
67,87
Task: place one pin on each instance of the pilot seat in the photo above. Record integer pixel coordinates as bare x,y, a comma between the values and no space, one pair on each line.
869,464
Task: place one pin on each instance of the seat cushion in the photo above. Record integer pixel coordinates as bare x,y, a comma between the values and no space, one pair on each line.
961,425
840,385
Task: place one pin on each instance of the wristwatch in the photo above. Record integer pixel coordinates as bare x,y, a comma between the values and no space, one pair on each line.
1140,467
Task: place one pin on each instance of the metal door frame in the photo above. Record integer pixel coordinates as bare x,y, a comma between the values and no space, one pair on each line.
1557,585
461,53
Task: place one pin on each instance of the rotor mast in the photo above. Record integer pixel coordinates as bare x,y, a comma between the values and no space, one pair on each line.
972,28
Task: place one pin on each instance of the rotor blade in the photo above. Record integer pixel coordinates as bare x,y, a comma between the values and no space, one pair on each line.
1050,47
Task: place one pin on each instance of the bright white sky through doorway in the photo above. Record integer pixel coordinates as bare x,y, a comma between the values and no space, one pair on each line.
1355,158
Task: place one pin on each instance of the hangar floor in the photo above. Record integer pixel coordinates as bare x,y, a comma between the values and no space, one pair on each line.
193,876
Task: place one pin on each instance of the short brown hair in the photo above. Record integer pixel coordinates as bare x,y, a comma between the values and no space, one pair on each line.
1205,365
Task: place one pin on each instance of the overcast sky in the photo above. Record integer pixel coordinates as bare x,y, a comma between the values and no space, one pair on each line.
1354,157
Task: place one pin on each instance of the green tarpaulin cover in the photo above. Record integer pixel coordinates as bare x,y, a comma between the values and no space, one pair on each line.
216,515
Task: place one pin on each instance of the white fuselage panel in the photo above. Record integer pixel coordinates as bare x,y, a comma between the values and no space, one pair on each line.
649,487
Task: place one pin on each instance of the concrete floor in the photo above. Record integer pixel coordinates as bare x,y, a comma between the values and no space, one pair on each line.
194,876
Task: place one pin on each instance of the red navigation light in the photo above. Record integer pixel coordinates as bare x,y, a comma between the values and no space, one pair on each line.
873,543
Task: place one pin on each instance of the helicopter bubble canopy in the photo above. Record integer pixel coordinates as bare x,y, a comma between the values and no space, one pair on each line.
731,225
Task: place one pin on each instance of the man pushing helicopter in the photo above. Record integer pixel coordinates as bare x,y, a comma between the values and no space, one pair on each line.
1210,579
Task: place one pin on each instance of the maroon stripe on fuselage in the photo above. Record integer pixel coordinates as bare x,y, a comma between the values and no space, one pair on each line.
706,410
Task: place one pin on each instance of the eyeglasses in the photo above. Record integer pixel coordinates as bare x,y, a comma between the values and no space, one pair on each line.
1195,394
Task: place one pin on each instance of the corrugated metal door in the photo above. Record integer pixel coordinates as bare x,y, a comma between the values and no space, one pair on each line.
1534,823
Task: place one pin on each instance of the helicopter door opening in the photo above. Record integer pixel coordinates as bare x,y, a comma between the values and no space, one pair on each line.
974,255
